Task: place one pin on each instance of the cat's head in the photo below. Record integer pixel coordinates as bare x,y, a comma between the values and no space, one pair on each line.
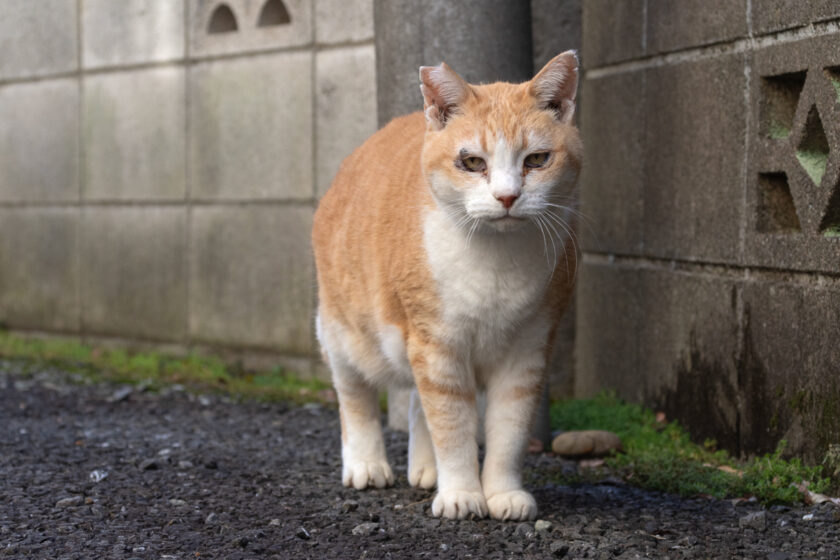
502,155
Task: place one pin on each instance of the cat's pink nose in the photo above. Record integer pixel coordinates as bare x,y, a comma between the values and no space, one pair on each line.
507,201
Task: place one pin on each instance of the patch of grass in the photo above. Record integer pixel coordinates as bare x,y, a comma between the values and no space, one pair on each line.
152,369
661,456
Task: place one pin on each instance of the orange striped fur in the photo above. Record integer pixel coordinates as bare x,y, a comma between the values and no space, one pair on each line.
445,257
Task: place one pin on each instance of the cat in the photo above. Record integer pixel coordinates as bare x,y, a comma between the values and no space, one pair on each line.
445,257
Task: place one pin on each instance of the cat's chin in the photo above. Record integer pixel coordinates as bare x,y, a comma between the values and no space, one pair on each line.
505,223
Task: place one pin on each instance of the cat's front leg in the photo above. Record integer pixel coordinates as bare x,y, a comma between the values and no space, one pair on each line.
513,394
447,392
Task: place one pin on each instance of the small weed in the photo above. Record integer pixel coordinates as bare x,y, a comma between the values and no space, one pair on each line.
661,456
200,373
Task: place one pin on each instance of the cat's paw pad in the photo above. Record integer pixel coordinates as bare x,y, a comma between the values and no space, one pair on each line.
458,504
513,505
424,476
361,474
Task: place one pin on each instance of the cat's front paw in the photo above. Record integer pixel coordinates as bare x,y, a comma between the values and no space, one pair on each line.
512,506
423,476
361,474
458,504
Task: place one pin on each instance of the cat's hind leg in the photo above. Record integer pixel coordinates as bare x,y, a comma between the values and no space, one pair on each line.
362,446
422,471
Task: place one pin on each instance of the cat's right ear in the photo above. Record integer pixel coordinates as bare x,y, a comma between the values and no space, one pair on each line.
443,90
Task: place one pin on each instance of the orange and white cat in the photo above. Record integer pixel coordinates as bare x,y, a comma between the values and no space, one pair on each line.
445,260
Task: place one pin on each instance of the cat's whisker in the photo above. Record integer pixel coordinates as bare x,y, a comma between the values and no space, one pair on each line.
535,220
553,264
569,232
560,238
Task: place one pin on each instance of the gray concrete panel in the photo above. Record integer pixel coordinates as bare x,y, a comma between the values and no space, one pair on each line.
338,21
38,38
691,23
612,31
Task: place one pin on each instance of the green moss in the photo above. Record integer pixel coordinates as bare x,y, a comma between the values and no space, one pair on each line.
778,130
814,163
661,456
833,231
836,83
200,373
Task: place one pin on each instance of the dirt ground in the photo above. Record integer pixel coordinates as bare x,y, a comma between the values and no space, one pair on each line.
101,471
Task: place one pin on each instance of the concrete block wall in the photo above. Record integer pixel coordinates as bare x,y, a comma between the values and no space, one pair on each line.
710,284
160,162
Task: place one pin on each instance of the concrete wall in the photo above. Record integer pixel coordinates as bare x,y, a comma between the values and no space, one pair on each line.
160,162
710,286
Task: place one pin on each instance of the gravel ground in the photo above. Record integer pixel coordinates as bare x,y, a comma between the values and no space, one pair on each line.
99,471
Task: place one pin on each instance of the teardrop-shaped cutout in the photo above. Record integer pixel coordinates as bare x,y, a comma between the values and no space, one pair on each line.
222,20
273,12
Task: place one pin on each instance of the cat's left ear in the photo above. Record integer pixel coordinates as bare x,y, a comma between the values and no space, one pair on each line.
443,90
556,84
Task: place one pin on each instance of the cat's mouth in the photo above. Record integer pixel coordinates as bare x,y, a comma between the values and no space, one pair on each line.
506,222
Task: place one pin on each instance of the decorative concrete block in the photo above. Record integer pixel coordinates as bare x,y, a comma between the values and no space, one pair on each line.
134,271
39,141
345,106
688,350
131,32
39,268
612,31
775,15
694,159
238,26
607,327
250,128
789,366
793,175
252,277
555,28
692,23
38,38
338,21
612,183
134,134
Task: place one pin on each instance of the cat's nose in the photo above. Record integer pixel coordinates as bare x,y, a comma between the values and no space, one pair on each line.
507,201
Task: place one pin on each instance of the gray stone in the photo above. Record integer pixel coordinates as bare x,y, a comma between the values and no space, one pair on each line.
69,502
249,35
411,34
338,21
694,158
134,271
40,125
252,277
559,548
690,23
134,134
756,521
367,528
345,106
612,190
250,128
612,31
774,15
555,28
542,526
131,32
39,268
38,38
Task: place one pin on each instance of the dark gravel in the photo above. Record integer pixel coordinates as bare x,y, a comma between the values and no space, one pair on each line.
109,472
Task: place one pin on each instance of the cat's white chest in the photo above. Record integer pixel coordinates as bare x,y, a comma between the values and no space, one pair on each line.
488,286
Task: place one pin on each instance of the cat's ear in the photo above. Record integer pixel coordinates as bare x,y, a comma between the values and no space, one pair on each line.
556,84
443,90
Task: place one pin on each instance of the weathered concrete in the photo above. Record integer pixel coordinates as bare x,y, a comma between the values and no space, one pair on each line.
133,271
345,110
134,135
250,34
775,15
39,268
252,277
38,38
131,32
612,31
250,127
40,123
339,21
690,23
411,34
555,28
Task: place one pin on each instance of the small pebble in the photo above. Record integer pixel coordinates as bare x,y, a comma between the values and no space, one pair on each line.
542,526
185,465
366,528
177,502
274,523
302,533
808,517
559,548
524,530
149,465
756,520
349,505
69,502
98,475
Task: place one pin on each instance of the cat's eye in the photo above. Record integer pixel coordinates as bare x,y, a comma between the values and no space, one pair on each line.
537,159
473,163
